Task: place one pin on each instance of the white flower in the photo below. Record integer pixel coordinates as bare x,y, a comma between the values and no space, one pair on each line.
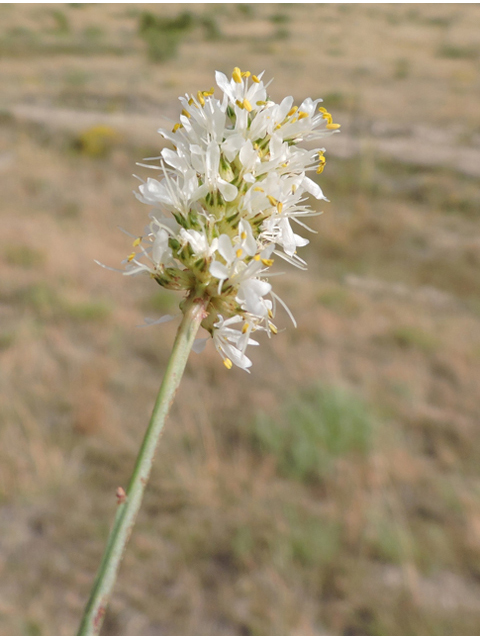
234,255
177,192
232,343
250,297
229,197
210,164
198,242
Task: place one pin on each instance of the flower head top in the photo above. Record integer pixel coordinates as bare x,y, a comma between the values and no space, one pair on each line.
224,203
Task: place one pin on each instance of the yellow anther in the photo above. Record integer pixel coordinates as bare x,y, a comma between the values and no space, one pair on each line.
322,161
200,98
270,314
177,126
239,104
302,114
209,93
228,363
284,165
185,113
332,125
322,110
261,103
295,119
243,235
131,256
256,257
258,189
245,327
246,74
327,117
273,328
294,188
255,79
190,102
292,111
267,262
272,201
247,105
237,75
137,241
279,207
239,253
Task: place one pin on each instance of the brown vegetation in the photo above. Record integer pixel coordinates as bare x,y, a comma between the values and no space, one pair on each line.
336,488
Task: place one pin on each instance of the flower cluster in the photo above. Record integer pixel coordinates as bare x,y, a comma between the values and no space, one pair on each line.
223,206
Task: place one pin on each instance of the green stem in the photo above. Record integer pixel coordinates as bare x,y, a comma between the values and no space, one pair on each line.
194,312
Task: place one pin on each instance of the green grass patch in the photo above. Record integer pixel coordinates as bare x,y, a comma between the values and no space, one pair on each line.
24,256
50,304
290,537
441,189
22,42
459,52
7,339
402,69
93,33
279,18
211,28
41,298
76,77
387,540
409,337
60,21
162,301
337,100
339,300
312,540
281,34
164,35
93,311
316,427
246,10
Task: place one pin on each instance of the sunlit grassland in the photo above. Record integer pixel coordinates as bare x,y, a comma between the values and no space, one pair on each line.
336,488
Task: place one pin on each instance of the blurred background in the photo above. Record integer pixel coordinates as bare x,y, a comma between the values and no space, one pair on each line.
334,490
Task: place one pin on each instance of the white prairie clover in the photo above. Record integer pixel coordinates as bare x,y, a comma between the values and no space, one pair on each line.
224,203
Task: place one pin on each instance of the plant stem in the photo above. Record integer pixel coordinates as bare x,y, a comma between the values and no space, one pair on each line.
129,504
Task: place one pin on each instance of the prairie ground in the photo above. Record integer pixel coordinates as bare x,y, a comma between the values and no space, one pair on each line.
336,489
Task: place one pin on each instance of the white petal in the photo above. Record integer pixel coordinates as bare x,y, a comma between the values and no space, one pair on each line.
313,188
228,191
224,84
258,287
249,244
219,270
238,358
299,241
232,146
225,248
212,160
248,155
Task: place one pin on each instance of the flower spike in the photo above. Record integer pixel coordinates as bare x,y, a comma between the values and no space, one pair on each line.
226,200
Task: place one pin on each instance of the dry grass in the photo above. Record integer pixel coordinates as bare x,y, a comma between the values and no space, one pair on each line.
256,521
